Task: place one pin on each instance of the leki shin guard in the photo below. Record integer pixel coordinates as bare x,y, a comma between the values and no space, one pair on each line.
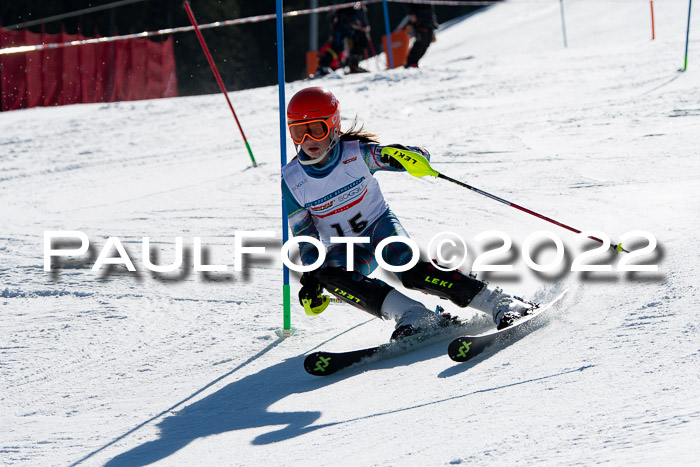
355,289
460,289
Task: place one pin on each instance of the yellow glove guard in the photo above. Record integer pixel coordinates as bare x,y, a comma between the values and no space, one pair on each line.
317,310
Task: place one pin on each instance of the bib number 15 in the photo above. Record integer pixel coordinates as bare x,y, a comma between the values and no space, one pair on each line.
356,224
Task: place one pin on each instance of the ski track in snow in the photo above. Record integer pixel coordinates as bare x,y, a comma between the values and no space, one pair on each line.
184,368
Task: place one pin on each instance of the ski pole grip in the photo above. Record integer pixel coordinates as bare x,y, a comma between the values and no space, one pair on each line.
414,163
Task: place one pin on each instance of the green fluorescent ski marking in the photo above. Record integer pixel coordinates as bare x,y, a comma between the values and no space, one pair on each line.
464,349
322,364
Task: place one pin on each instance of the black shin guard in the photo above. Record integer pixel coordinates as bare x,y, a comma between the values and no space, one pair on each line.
452,285
355,289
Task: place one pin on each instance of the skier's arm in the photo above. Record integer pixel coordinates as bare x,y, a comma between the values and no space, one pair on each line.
301,223
372,154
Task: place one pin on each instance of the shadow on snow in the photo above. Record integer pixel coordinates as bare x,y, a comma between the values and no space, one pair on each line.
244,404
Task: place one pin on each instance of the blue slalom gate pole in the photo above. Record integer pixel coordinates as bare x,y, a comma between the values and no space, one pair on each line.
287,330
388,35
563,22
687,34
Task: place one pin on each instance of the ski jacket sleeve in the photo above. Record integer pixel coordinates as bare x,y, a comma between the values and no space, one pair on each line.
301,223
372,152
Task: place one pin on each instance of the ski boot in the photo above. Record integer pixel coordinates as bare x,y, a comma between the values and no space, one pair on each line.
354,64
416,321
357,69
504,308
323,71
412,317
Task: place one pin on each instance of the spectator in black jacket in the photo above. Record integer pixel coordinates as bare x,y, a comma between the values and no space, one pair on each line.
422,20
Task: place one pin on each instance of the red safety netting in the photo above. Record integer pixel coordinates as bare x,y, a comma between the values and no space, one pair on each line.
106,72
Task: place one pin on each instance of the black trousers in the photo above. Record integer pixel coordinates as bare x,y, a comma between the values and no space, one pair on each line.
423,39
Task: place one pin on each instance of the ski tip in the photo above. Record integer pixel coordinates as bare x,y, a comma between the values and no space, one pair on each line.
459,349
464,348
318,364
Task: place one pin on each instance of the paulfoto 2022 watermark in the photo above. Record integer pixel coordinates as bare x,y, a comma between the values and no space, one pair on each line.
449,248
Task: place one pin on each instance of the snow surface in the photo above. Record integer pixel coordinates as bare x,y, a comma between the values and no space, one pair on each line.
184,368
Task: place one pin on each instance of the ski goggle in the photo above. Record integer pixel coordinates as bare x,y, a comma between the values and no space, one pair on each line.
317,130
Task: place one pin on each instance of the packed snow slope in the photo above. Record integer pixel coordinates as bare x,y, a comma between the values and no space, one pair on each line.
184,368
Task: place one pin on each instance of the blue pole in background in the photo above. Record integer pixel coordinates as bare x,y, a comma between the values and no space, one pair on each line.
388,35
286,292
687,34
563,22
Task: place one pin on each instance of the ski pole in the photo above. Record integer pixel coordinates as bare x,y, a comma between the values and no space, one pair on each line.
687,34
218,77
418,166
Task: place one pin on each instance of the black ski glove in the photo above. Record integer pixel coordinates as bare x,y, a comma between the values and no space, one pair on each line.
392,162
311,295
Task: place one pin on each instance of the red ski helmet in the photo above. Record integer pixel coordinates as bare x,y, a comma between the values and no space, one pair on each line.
313,105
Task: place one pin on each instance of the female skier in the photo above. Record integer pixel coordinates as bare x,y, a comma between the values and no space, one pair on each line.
329,191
